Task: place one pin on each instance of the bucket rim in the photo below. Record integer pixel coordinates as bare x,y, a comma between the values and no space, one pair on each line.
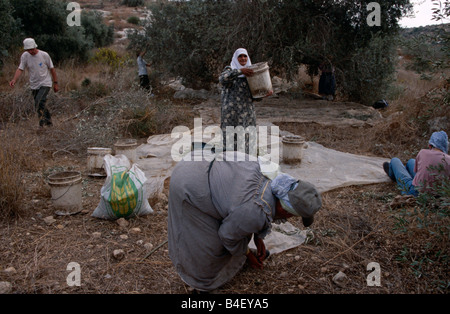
65,183
65,175
64,178
126,142
292,139
98,149
259,67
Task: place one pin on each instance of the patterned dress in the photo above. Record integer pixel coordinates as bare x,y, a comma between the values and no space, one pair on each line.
237,102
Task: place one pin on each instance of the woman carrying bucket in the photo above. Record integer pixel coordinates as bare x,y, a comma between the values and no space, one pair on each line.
237,101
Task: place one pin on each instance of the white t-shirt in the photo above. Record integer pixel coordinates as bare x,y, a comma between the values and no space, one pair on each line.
39,67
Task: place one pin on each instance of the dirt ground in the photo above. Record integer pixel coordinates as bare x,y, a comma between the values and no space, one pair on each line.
355,227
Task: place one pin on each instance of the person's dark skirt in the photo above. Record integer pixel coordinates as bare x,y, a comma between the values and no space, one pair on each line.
327,84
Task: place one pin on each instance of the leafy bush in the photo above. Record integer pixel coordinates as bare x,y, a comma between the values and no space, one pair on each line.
133,20
186,39
46,22
370,71
196,39
95,30
109,57
133,3
9,29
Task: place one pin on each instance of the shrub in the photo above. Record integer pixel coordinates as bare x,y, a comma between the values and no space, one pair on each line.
46,22
9,29
133,20
95,30
370,71
109,57
133,3
196,39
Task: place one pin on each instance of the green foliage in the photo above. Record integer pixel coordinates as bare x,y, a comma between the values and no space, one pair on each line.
46,22
133,3
109,57
429,46
95,30
133,20
369,73
9,27
186,39
195,39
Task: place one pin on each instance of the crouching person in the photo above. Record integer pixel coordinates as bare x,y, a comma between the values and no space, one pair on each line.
215,208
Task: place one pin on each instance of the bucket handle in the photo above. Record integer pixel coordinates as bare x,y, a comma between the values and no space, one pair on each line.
55,199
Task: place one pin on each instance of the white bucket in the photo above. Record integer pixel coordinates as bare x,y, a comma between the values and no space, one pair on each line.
260,83
66,190
292,148
127,147
95,159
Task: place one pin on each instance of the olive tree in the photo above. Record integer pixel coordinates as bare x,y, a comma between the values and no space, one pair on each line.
195,39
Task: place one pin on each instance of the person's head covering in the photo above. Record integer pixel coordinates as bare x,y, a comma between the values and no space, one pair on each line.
29,43
300,198
439,140
235,63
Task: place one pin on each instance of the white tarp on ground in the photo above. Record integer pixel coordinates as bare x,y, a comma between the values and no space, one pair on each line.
326,168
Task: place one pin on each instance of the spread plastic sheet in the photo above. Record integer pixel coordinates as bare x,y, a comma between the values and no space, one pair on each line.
326,168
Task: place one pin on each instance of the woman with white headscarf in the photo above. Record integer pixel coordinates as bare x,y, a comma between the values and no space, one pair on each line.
237,102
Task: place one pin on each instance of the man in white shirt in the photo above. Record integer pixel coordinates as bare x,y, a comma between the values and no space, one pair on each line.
42,77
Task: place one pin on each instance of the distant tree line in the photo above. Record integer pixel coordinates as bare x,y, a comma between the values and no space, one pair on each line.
46,22
428,47
196,38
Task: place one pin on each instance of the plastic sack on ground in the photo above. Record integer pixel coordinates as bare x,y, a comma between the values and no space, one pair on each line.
123,193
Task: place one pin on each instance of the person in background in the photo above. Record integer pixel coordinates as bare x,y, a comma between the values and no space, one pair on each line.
216,207
237,101
420,174
327,81
42,77
144,81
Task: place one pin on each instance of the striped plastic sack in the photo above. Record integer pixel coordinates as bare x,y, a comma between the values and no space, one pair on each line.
123,193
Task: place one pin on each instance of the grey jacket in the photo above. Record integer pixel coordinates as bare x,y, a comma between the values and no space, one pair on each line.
211,222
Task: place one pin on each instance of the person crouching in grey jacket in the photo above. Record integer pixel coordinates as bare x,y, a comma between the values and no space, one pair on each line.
214,209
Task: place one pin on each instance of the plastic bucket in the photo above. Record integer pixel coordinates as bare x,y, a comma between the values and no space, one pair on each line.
95,158
126,147
66,190
292,148
260,83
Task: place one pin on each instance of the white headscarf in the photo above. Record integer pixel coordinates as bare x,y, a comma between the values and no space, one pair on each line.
235,63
